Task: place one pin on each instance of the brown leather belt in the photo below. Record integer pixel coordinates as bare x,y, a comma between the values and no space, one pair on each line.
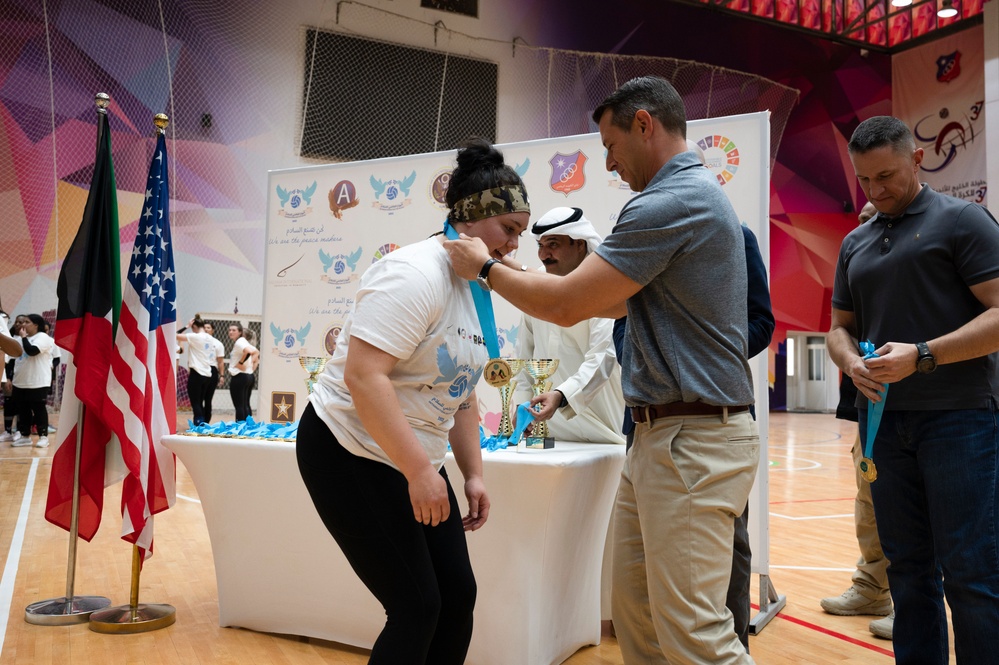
647,414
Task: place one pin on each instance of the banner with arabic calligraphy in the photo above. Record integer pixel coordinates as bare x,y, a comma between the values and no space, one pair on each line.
938,89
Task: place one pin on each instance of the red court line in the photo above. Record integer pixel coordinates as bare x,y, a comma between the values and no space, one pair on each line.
832,633
847,498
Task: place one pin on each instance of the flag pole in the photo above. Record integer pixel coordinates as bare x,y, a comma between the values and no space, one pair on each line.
136,617
69,609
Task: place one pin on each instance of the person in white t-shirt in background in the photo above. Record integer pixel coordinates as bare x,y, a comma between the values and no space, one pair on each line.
200,359
9,346
54,393
218,371
32,378
242,361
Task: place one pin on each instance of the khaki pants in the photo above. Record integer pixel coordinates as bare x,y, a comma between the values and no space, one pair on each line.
685,481
871,576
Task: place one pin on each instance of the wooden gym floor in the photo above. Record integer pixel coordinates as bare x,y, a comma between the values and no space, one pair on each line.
812,552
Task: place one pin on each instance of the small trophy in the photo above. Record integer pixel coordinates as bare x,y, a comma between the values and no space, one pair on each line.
506,394
540,370
313,365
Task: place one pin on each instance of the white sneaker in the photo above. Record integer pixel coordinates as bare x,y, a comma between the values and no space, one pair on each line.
852,602
6,436
883,628
43,442
19,441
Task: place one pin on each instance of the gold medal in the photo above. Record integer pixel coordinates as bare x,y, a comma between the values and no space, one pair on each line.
868,471
498,372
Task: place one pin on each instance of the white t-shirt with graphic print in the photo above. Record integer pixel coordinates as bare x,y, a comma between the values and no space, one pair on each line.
412,305
200,353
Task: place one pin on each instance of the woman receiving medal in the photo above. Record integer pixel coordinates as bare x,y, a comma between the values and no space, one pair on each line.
398,389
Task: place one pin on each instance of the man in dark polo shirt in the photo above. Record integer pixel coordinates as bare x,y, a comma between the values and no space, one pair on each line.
675,263
921,282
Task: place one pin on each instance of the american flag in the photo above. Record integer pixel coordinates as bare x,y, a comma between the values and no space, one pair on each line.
142,386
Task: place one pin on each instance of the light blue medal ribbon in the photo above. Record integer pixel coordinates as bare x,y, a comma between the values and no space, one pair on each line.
497,372
497,368
525,416
874,411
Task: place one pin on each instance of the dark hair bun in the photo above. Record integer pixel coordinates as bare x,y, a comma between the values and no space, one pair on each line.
480,167
477,153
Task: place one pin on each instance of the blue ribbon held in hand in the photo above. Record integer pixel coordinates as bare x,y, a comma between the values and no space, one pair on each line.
874,411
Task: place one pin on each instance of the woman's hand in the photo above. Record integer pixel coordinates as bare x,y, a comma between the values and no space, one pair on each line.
428,494
478,504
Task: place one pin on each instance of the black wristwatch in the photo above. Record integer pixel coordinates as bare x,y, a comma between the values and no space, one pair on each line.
565,402
925,363
483,278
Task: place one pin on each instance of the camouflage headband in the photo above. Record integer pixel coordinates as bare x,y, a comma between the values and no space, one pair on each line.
489,203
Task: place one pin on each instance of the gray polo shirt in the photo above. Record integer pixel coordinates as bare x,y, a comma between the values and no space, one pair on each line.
906,279
687,327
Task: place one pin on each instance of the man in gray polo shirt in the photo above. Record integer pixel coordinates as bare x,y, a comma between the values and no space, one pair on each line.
675,264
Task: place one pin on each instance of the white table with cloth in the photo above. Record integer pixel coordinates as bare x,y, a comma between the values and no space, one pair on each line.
537,560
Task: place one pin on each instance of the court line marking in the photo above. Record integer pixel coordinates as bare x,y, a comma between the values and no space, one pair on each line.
811,517
819,568
14,554
845,498
813,463
833,633
187,498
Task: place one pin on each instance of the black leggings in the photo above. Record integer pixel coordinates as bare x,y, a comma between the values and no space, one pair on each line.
197,389
10,409
240,387
31,410
420,574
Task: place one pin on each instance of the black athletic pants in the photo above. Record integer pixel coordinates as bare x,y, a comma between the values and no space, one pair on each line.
421,574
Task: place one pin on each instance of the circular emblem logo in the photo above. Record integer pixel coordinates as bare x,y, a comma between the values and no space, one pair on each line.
329,340
721,156
392,192
289,341
339,267
296,201
438,187
384,249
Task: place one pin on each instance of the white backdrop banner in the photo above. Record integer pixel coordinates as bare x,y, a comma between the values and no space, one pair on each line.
326,224
938,90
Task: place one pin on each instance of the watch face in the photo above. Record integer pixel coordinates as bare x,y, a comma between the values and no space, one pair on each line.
926,365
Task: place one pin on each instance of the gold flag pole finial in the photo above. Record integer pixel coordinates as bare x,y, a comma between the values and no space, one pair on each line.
102,100
162,122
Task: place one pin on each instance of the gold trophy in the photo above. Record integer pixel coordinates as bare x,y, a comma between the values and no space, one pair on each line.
313,365
506,394
540,370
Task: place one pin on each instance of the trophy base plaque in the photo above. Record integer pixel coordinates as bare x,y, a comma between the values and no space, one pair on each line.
541,443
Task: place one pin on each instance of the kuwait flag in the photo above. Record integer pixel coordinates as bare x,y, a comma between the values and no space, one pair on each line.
89,292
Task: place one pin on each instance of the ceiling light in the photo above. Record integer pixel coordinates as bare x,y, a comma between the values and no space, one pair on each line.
947,9
901,3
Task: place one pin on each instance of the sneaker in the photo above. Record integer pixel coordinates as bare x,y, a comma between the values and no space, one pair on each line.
882,627
43,442
852,603
6,436
20,440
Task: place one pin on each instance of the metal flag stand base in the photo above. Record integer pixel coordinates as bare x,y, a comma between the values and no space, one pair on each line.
63,612
128,619
134,617
69,609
